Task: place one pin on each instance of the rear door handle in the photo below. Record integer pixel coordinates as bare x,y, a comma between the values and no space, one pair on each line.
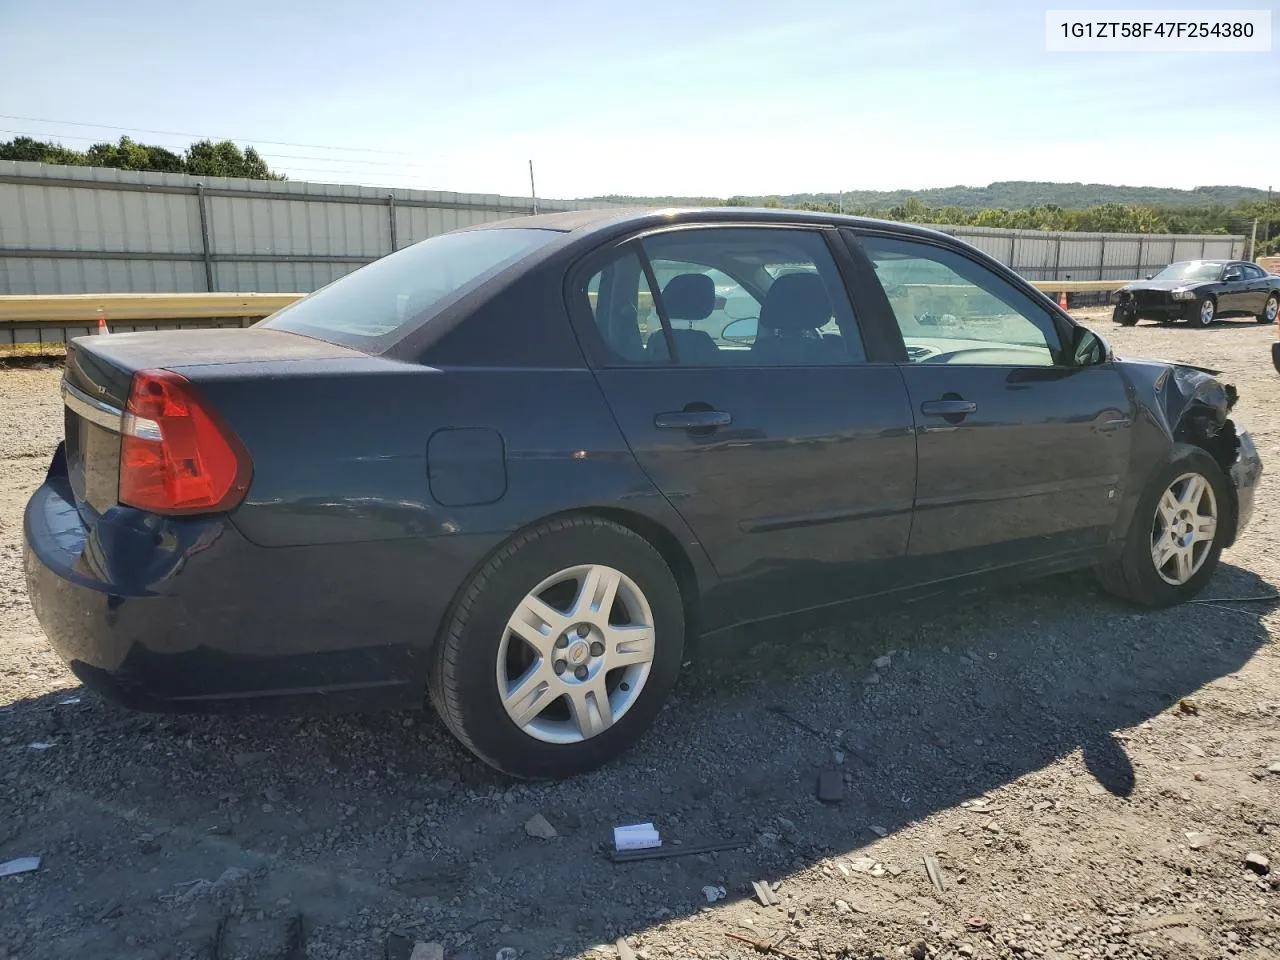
948,408
692,420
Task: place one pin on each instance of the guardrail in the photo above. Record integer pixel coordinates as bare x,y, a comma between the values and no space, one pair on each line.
34,321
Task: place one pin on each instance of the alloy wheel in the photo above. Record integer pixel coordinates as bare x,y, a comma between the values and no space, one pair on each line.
575,654
1185,525
1206,312
1272,309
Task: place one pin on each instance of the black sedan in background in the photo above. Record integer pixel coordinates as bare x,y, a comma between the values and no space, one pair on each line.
518,469
1200,292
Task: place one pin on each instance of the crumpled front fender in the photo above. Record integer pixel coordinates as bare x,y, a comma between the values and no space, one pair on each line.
1190,403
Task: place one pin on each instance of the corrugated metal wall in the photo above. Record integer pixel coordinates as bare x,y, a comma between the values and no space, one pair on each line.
94,230
1044,255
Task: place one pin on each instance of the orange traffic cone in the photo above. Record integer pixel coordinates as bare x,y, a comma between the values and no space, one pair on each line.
102,324
1062,299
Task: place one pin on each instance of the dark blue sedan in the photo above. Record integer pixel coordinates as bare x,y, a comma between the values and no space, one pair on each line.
517,469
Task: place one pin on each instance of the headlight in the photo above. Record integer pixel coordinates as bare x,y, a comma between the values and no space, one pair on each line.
1183,295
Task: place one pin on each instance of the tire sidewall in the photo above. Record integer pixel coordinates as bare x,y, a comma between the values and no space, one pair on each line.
1137,551
490,731
1262,317
1126,318
1198,316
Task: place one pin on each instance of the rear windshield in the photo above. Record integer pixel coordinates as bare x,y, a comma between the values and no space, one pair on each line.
377,304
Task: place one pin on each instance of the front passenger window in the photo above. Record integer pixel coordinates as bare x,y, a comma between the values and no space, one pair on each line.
952,310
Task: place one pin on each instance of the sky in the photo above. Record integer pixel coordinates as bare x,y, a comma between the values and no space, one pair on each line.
661,97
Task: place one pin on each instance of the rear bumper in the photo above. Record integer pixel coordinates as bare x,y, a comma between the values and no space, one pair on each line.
185,614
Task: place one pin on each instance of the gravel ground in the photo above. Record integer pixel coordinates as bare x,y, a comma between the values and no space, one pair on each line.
1088,779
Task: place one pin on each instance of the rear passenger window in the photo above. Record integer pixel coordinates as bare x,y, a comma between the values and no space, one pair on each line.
753,296
622,305
726,296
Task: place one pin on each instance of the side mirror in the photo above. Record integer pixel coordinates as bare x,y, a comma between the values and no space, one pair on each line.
1151,276
744,329
1088,349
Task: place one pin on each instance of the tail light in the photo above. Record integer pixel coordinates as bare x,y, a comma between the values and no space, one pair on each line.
176,454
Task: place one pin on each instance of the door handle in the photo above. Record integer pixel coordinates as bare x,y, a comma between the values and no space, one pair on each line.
692,420
948,408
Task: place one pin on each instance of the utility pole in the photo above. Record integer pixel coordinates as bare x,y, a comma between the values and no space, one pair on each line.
842,201
1266,223
533,192
1253,241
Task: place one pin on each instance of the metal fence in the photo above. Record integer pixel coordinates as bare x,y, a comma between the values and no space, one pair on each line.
95,230
1046,255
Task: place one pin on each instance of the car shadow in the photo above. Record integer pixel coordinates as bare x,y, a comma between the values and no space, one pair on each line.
379,830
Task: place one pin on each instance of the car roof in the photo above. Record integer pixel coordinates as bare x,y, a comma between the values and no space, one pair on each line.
613,219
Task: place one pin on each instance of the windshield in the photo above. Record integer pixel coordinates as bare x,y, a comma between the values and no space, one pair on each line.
1194,270
366,308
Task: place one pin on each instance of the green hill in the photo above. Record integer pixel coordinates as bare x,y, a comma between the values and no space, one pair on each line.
1008,194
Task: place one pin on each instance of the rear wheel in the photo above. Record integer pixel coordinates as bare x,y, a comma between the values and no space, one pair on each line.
1176,535
561,649
1271,310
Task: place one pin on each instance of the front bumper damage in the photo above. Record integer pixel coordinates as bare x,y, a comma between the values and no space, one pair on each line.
1165,310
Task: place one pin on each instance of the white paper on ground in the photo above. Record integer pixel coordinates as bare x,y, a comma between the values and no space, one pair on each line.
637,836
21,865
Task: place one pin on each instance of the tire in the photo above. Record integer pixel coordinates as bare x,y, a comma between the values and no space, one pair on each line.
1270,310
1204,312
478,652
1124,317
1133,576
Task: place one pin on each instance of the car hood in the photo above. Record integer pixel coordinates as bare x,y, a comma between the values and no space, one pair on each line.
1164,286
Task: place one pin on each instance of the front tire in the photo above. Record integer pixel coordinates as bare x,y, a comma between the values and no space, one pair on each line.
1205,312
1271,310
561,650
1176,536
1126,318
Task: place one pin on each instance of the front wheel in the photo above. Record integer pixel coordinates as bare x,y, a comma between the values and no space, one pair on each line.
1126,318
561,650
1176,535
1206,311
1270,310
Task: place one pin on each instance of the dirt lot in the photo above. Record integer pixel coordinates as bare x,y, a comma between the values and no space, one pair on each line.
1090,780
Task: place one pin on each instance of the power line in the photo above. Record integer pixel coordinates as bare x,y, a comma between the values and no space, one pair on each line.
200,136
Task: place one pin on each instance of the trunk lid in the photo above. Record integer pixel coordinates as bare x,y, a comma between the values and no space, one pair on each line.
99,371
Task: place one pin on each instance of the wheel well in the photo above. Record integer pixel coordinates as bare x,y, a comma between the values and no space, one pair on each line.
1200,429
671,551
658,536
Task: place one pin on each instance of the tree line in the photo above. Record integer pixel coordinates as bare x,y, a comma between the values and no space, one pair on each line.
204,158
1102,218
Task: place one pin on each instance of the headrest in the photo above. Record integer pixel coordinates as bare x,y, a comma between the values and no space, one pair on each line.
689,296
692,346
796,301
